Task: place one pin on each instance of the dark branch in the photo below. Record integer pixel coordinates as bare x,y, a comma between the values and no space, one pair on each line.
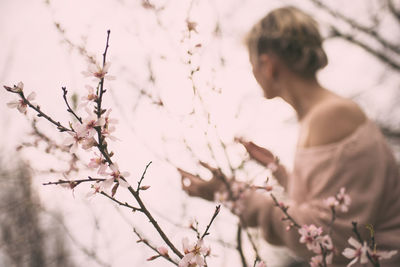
141,178
239,247
381,56
147,243
69,109
354,24
125,204
60,127
217,209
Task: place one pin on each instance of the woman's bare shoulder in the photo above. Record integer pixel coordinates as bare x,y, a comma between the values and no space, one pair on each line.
332,121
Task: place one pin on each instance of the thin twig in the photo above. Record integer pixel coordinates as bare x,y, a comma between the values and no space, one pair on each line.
355,231
125,204
69,109
368,30
284,209
384,58
76,182
239,247
217,209
147,243
141,178
253,245
60,127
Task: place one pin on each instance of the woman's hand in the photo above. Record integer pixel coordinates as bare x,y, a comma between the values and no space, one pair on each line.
266,158
260,154
195,186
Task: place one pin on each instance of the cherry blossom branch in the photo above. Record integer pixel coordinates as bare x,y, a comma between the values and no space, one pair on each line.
102,91
361,240
124,204
139,186
103,150
147,243
101,145
144,210
75,182
216,212
60,127
69,109
284,210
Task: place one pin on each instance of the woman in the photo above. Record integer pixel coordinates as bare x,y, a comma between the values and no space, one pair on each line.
337,147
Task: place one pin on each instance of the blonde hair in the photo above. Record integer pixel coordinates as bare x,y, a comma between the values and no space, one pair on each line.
293,36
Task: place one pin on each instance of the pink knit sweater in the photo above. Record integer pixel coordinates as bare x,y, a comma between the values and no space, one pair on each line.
365,166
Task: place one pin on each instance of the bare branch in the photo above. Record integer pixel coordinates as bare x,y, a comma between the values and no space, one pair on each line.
384,58
395,12
239,247
69,109
354,24
217,209
147,243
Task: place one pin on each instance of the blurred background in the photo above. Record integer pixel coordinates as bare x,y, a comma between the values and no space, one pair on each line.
183,90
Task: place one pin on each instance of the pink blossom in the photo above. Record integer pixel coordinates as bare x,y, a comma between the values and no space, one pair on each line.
18,88
118,176
98,162
163,250
74,140
88,143
331,202
310,235
91,122
89,98
358,253
20,104
109,127
98,72
272,186
343,199
194,253
96,188
316,261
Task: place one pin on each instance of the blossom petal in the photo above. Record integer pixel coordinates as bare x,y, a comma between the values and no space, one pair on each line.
31,96
184,262
13,104
352,241
349,253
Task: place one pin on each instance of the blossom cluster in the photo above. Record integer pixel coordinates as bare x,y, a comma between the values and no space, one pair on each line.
360,252
341,201
320,244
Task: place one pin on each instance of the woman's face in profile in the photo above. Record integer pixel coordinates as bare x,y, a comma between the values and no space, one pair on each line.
260,70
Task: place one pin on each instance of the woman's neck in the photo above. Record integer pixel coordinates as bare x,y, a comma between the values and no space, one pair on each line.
302,94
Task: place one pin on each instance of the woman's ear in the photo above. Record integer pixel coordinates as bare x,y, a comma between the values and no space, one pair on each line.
269,66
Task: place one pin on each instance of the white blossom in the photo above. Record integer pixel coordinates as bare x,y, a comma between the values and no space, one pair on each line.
359,252
194,253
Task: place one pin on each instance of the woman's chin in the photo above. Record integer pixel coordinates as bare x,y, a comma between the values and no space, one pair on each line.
269,95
